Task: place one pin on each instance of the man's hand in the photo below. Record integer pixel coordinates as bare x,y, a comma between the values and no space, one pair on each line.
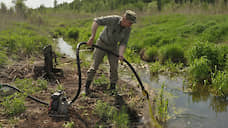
121,52
94,29
90,41
121,58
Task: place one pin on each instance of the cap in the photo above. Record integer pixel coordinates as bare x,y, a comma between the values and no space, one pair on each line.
131,16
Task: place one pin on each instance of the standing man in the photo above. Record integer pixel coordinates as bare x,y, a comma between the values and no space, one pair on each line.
117,30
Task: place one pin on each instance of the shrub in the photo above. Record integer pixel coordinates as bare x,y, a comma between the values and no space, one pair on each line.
73,33
222,52
216,54
14,104
172,52
58,32
150,54
199,70
206,49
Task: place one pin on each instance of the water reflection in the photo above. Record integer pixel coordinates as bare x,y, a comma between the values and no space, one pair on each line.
198,109
219,104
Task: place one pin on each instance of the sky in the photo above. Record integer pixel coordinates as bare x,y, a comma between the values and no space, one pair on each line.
35,3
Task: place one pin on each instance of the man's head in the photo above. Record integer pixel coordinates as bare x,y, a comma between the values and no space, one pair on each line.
129,18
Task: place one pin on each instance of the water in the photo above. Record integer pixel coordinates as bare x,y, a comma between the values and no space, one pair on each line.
36,3
65,48
186,109
189,110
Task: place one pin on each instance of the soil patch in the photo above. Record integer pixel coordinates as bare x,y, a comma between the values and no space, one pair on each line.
81,111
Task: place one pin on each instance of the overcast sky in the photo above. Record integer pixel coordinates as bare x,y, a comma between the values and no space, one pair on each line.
35,3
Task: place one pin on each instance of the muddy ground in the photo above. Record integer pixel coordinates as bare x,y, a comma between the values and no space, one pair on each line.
82,110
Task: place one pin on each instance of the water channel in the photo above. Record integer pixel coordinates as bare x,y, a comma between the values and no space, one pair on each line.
186,109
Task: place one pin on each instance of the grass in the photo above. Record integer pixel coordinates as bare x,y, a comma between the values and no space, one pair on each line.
167,37
14,104
162,106
109,113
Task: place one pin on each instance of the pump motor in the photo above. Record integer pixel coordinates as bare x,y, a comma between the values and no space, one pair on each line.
59,105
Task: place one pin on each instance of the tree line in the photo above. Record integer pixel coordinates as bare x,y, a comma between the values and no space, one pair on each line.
101,5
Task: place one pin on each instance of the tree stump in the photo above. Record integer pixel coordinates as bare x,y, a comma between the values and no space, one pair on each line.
47,70
48,60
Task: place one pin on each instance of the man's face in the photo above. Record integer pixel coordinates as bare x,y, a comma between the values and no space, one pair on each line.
125,22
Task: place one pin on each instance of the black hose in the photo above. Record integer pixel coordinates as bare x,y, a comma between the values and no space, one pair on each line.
79,75
108,51
33,98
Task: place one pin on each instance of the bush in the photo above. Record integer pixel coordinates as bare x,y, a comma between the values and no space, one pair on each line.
58,32
203,49
172,52
150,54
73,33
215,54
199,70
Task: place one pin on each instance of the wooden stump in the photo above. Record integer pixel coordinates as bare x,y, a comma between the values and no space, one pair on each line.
47,70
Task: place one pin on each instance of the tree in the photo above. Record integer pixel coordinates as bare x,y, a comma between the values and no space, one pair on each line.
20,7
3,8
159,5
55,3
225,2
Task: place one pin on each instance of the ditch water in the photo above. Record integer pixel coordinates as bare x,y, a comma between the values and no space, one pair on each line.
186,109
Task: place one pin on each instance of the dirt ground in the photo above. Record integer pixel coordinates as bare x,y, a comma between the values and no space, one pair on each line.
81,111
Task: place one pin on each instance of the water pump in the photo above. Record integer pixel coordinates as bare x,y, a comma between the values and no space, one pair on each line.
59,105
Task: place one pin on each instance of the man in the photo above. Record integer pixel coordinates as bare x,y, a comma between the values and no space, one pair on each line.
117,30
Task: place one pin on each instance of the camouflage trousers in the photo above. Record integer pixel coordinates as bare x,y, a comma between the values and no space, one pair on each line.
98,56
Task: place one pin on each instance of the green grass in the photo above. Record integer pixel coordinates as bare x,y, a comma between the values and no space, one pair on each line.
111,114
14,104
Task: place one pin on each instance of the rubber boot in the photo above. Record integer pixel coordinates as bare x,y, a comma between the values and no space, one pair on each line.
87,91
112,89
112,86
